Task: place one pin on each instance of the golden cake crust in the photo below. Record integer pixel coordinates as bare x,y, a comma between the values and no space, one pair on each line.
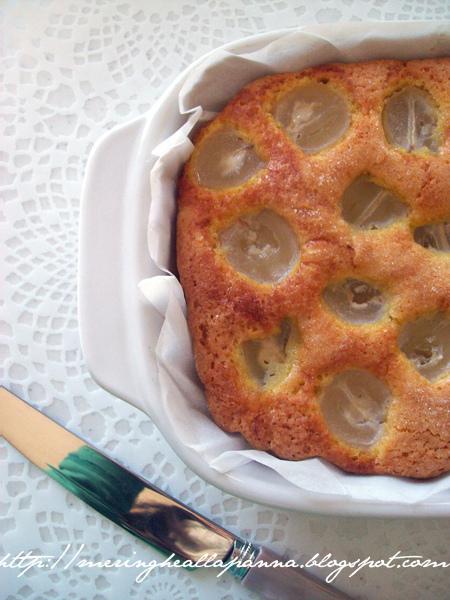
225,307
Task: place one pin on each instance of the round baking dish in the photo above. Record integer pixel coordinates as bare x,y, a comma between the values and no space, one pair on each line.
120,330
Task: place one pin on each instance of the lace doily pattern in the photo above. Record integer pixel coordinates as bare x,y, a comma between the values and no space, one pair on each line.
69,72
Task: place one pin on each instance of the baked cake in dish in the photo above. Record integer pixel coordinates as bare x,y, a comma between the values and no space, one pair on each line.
313,246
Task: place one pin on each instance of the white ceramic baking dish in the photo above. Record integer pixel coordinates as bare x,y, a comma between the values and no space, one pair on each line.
119,329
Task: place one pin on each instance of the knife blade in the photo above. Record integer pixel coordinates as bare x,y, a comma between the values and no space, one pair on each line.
145,510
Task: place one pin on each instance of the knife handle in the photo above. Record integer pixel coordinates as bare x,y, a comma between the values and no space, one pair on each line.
287,583
115,492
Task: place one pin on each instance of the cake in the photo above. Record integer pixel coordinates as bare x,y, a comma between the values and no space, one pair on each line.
313,247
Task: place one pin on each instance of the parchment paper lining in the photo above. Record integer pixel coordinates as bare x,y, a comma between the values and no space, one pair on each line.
205,90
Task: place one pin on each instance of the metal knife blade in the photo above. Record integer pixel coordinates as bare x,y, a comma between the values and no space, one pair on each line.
143,509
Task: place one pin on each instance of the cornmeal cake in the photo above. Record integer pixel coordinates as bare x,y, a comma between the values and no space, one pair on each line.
313,246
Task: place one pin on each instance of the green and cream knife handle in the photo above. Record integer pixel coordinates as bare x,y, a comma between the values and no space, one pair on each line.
118,494
143,509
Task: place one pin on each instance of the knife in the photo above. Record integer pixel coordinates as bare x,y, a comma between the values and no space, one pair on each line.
146,511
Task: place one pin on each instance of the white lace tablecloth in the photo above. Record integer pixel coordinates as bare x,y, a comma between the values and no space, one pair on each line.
70,70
